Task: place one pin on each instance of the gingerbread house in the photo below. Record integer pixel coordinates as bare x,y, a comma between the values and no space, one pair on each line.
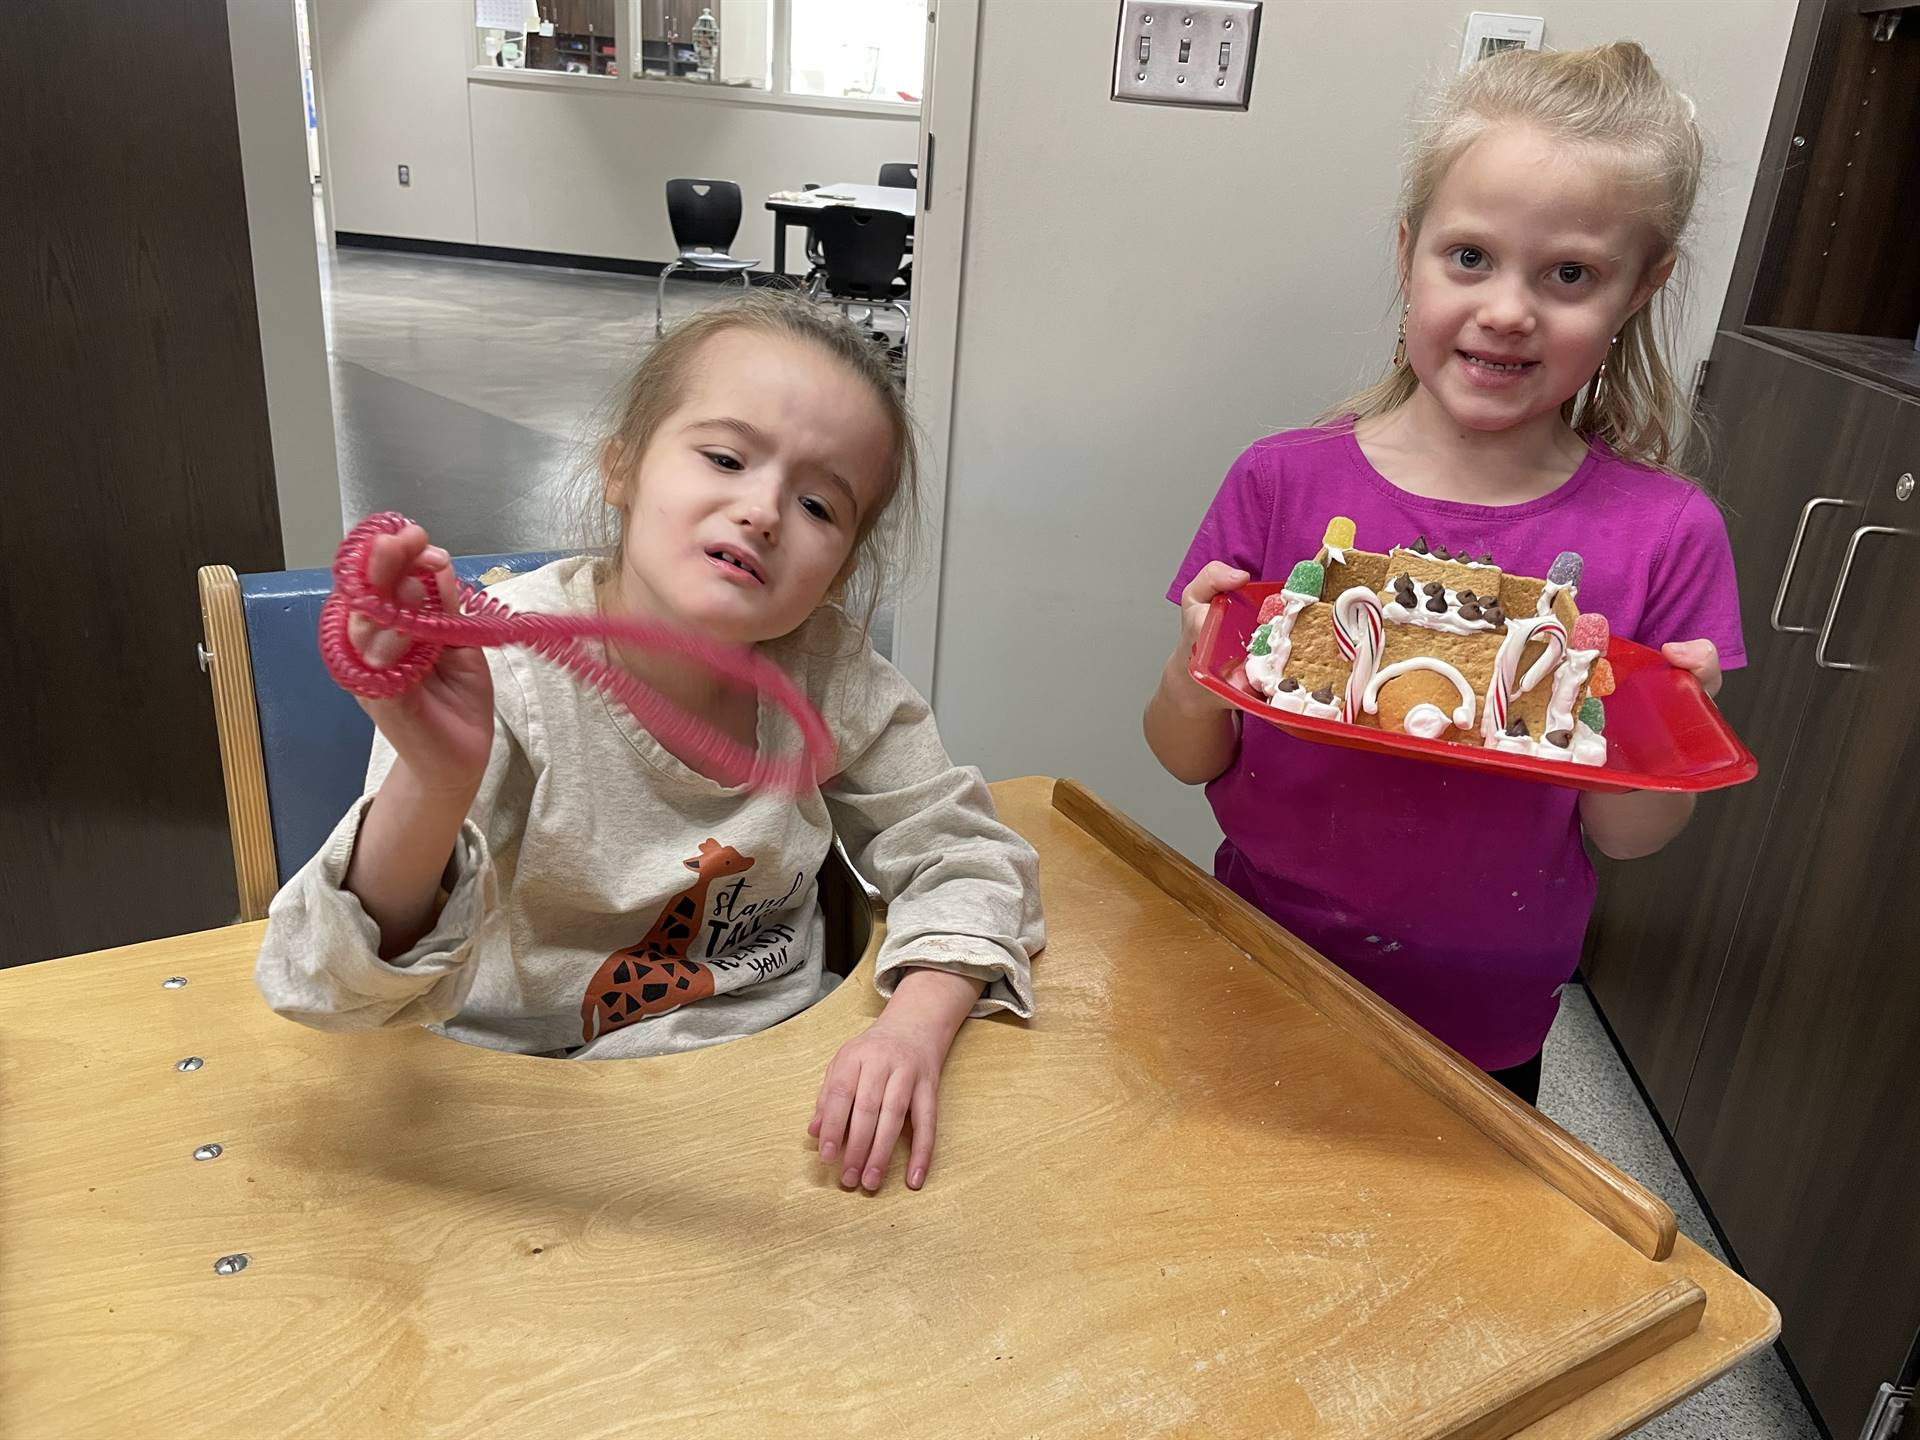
1443,646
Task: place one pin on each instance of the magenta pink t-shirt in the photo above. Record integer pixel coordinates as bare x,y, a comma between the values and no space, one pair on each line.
1460,898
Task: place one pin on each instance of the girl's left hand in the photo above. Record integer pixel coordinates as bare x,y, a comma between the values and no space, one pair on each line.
1701,658
888,1076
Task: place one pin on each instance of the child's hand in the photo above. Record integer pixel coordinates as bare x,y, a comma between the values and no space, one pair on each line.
889,1075
1218,578
1701,658
443,727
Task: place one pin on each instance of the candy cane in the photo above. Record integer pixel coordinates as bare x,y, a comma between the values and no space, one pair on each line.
1506,665
1359,632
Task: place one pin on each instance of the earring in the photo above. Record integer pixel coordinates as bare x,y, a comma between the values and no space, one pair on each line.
1400,345
1600,375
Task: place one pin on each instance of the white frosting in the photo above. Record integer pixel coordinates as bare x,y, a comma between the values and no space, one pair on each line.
1265,672
1453,560
1449,620
1335,555
1301,703
1463,716
1566,689
1588,748
1429,722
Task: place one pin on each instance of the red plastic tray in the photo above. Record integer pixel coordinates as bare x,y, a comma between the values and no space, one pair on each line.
1663,733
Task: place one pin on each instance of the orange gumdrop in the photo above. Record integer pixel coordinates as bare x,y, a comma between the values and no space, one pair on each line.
1600,681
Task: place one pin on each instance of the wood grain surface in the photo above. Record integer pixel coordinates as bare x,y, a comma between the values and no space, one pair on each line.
1180,1201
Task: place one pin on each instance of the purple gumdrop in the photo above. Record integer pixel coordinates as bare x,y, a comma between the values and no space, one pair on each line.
1566,569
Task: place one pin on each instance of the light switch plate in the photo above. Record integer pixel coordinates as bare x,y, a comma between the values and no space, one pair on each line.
1193,54
1488,33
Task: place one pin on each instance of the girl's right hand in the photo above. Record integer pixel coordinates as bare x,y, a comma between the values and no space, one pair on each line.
1217,578
442,729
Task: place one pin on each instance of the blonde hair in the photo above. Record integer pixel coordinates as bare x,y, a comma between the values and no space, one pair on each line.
659,384
1612,99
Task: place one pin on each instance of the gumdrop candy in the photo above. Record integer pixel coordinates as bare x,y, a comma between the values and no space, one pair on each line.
1593,715
1566,568
1591,632
1339,534
1308,578
1261,642
1270,607
1600,679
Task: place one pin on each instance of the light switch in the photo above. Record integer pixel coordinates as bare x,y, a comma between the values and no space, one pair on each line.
1195,54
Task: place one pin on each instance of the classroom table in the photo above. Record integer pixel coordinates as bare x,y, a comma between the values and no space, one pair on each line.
802,205
1212,1188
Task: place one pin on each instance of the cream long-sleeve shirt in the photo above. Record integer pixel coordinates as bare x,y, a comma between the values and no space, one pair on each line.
608,901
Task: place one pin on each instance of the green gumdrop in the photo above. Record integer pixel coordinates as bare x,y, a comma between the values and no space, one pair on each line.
1307,578
1262,640
1593,715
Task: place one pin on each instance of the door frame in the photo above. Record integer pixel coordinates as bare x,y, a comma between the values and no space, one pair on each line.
939,253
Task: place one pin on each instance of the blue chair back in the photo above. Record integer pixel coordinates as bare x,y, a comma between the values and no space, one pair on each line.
314,737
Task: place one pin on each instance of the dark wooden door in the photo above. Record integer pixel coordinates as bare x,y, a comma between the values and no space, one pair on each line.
1785,431
135,435
1803,1120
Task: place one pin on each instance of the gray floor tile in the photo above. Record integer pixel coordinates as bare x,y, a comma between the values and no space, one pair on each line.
1585,1087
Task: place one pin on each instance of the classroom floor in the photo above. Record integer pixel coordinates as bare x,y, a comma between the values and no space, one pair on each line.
467,394
1585,1086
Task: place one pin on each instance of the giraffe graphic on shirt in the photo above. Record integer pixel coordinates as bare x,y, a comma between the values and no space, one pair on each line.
654,975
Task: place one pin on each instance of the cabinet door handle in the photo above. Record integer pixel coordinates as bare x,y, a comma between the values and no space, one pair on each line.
1840,589
1793,556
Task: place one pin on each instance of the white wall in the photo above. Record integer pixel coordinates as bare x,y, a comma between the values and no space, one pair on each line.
579,168
583,170
1148,290
392,76
286,275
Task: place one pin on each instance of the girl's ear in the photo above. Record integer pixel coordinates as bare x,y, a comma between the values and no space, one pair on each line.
613,483
1403,254
1656,277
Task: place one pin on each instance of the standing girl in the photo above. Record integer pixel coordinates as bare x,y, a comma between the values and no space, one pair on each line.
533,871
1529,409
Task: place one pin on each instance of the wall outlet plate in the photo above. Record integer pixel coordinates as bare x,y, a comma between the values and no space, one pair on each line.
1193,54
1488,33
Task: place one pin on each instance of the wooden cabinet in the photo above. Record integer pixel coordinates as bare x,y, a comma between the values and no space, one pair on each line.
1763,973
1795,448
1801,1121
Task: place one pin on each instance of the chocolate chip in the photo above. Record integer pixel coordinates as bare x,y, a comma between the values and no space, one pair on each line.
1434,587
1562,738
1517,726
1470,611
1289,685
1466,597
1438,605
1440,552
1495,615
1419,544
1487,559
1323,695
1403,582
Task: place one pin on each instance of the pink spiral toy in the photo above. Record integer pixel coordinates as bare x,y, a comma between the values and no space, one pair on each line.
482,620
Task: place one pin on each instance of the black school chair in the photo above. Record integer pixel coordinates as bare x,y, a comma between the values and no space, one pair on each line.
705,215
902,175
861,252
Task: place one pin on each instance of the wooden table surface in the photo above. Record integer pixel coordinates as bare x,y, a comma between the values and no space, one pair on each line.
1185,1199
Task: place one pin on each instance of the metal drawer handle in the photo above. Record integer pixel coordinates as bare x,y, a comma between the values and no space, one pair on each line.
1793,555
1840,589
